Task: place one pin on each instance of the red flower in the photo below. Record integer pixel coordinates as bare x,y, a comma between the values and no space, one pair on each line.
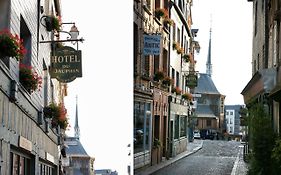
29,78
11,45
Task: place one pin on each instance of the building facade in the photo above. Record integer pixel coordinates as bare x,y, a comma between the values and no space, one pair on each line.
264,86
232,119
30,141
181,65
160,111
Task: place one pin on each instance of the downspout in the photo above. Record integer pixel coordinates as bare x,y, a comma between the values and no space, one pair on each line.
266,35
169,97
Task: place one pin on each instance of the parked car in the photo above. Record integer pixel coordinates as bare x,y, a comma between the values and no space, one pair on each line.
196,134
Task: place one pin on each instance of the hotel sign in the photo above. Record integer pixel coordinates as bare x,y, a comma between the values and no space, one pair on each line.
191,80
66,64
151,44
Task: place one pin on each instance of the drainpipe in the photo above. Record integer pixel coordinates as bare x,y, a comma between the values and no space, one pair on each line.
169,97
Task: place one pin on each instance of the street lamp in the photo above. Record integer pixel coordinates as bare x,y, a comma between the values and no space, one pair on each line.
73,33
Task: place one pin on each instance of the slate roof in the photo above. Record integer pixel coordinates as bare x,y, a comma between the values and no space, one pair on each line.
205,85
74,147
204,111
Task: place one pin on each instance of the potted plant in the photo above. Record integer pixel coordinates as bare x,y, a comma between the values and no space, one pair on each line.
57,114
52,23
176,90
175,45
167,81
156,143
29,78
160,12
11,45
168,21
158,76
51,111
180,50
187,96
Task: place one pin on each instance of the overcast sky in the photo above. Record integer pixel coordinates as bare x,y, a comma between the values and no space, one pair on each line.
105,92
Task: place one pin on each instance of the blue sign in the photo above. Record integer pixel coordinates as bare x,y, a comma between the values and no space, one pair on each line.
151,44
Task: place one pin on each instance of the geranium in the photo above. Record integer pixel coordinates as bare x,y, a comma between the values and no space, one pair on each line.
29,78
187,96
11,45
176,90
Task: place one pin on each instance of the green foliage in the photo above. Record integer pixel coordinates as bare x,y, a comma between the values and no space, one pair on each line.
261,141
276,156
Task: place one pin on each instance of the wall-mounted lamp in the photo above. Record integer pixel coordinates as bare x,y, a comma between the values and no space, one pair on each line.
73,33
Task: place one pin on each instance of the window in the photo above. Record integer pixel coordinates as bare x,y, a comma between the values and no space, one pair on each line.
136,39
4,14
174,32
230,121
179,36
183,126
177,125
165,61
231,113
45,169
25,35
146,66
178,79
173,75
20,165
156,63
209,122
141,126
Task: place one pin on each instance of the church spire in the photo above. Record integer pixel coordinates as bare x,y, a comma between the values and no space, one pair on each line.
76,127
209,64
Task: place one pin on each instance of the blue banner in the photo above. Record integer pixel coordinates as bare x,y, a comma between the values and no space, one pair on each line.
151,44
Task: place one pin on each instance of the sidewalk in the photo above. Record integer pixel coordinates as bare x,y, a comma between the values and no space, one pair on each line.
240,167
192,147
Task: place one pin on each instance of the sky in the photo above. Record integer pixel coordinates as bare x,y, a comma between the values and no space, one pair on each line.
105,92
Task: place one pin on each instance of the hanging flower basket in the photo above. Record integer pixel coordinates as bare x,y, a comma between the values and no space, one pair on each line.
11,45
186,57
52,23
158,76
29,79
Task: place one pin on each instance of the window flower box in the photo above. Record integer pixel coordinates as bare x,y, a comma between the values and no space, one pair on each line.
176,90
57,114
167,81
158,76
168,21
11,45
187,96
160,12
29,78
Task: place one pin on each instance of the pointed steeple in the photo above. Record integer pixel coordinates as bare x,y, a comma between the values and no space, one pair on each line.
76,127
209,64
